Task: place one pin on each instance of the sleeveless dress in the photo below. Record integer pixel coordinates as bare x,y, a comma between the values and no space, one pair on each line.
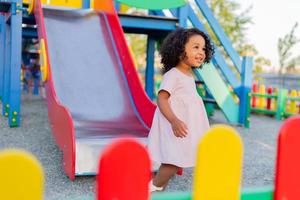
187,105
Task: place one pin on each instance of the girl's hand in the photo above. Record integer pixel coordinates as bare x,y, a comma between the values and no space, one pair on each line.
179,128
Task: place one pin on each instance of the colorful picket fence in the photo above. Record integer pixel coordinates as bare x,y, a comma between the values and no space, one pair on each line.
125,170
276,102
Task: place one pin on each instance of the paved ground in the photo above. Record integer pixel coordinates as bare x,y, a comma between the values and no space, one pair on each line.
35,136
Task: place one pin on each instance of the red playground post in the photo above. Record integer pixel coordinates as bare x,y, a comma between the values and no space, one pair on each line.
269,100
288,162
254,90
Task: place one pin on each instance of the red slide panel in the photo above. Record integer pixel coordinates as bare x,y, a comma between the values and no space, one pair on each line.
59,117
144,105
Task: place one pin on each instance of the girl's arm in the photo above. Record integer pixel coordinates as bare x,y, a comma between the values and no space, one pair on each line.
178,126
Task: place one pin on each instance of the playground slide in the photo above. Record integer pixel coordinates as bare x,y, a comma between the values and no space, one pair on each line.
93,92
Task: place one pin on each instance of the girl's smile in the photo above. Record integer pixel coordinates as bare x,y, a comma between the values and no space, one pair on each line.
194,52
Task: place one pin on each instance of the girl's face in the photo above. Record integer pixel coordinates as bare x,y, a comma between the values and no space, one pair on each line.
194,51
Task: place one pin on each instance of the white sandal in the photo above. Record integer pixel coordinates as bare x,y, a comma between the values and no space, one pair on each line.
154,188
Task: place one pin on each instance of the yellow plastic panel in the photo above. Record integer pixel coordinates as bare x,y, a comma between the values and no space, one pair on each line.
30,4
43,61
124,8
21,176
217,174
65,3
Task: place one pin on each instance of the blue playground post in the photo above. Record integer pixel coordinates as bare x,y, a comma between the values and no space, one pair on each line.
245,89
16,52
117,6
36,84
149,79
12,64
2,50
183,15
86,4
6,70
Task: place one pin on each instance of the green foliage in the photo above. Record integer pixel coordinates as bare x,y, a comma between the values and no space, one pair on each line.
259,64
233,22
138,46
293,63
248,49
284,47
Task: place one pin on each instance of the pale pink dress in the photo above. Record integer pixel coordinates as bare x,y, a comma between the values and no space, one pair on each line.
187,105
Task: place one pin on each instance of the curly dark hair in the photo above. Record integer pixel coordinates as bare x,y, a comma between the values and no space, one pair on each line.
172,48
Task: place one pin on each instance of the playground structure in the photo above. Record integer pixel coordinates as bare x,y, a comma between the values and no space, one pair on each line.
280,103
217,174
93,100
156,27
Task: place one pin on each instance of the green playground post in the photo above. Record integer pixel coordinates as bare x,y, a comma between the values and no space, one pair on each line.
281,104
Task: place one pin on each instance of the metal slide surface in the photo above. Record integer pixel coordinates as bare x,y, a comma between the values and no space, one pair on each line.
90,82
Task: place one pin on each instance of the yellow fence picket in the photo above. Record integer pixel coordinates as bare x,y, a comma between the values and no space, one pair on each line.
21,176
218,170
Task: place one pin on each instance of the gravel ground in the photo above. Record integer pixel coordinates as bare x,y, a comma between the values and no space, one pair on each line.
35,136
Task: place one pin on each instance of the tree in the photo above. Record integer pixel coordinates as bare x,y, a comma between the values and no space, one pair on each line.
137,45
233,21
285,46
259,64
291,67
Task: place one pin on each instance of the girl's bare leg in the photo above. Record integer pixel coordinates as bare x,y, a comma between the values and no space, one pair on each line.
165,172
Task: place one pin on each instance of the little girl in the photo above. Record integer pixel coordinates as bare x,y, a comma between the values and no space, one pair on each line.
180,119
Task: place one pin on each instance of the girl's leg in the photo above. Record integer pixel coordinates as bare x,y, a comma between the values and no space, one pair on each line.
165,172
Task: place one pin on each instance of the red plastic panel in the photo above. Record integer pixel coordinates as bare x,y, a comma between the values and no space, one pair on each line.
59,117
124,172
143,104
288,162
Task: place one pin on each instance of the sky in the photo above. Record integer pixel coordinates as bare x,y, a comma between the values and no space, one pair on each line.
272,19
